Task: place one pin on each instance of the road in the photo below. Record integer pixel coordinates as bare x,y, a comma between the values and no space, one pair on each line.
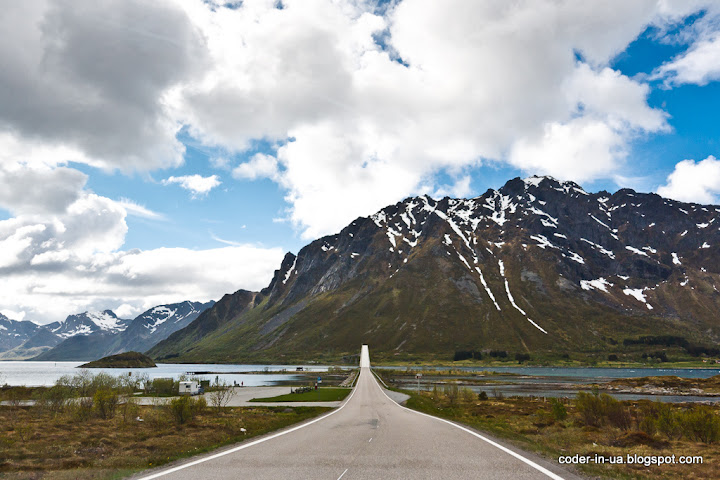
368,437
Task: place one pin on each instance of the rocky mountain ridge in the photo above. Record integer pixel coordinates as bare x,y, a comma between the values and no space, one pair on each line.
537,266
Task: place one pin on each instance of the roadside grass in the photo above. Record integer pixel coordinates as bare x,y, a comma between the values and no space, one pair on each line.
40,443
557,428
319,395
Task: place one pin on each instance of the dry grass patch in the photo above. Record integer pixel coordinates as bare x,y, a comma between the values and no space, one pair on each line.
38,443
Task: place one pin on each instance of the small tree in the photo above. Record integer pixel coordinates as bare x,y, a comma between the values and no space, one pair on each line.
222,395
105,402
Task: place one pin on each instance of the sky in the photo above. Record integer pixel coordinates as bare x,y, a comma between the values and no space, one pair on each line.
156,152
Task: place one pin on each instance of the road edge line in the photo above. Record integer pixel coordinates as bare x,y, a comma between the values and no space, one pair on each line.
245,445
527,461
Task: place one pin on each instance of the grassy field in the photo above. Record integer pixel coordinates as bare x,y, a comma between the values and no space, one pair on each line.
591,427
39,443
319,395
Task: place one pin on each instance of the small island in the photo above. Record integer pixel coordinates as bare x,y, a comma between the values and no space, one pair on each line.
122,360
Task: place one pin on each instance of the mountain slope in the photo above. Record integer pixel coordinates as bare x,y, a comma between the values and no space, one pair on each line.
14,333
538,266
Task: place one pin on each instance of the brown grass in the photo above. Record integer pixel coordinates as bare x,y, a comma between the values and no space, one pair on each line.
36,443
530,424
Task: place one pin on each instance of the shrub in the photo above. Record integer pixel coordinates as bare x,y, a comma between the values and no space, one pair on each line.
482,396
615,413
590,408
467,395
130,410
700,424
522,357
222,396
667,423
163,386
185,408
612,357
498,353
105,402
559,412
83,408
452,393
56,398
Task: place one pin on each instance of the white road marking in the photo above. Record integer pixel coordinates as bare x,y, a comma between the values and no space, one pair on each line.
485,439
341,475
247,445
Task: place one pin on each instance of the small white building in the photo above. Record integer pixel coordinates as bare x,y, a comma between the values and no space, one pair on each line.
189,388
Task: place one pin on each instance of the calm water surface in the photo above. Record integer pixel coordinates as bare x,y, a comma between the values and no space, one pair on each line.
46,373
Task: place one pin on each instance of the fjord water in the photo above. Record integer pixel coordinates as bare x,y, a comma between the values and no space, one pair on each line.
566,381
46,373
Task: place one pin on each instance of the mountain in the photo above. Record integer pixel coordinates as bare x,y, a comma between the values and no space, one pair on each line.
90,336
14,333
538,267
157,324
87,323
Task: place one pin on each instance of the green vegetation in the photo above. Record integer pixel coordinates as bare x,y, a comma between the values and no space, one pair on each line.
90,427
590,424
312,395
122,360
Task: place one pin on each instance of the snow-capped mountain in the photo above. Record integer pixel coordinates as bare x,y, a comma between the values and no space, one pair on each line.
88,336
13,333
87,323
536,266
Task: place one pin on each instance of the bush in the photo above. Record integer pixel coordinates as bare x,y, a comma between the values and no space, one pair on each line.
482,396
185,408
466,354
56,398
612,357
467,395
700,424
667,423
522,357
105,402
452,392
559,412
164,386
498,353
590,409
83,408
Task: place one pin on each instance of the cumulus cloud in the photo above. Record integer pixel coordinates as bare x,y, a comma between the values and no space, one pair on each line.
699,65
54,265
196,184
360,100
97,77
259,166
694,181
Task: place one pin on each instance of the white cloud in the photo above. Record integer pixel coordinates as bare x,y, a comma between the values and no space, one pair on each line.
699,65
259,166
460,189
359,121
694,182
579,150
97,77
13,315
196,184
134,208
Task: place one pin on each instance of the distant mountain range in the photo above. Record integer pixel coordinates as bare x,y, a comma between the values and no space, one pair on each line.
91,335
538,267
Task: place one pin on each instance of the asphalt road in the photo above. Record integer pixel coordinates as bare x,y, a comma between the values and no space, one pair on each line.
369,437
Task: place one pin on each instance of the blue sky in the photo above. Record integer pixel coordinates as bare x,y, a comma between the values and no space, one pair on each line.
172,151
